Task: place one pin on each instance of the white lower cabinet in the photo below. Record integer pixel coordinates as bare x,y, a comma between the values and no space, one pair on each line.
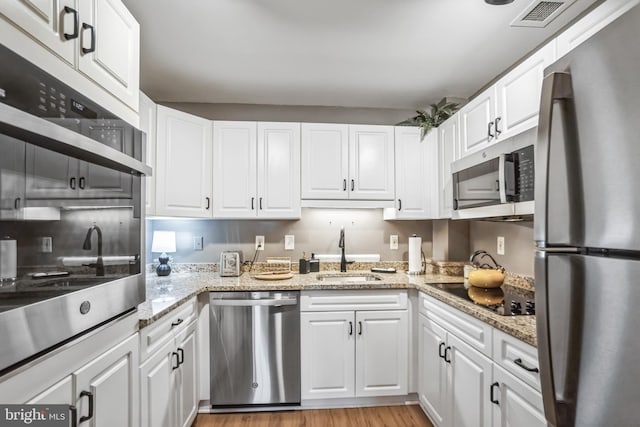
454,378
516,404
353,353
169,380
459,385
106,389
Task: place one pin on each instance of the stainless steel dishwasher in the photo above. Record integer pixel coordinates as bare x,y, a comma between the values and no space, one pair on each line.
255,348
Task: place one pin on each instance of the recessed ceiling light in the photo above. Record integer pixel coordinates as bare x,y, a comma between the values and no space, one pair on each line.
498,2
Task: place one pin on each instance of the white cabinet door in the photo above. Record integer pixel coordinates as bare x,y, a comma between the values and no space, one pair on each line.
110,48
110,385
518,404
382,345
187,381
183,164
327,354
596,20
476,122
51,22
371,163
157,388
518,94
447,142
325,161
279,170
432,370
234,159
469,385
147,113
414,175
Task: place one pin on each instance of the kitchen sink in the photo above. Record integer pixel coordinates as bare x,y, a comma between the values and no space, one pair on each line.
348,277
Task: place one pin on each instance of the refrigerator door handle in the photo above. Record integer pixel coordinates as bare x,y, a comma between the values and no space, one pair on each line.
556,87
558,330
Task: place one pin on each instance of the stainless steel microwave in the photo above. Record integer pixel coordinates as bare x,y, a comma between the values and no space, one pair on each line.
497,182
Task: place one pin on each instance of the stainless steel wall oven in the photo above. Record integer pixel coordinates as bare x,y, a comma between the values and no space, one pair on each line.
70,213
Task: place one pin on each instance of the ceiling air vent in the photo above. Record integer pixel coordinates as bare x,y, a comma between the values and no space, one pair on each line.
540,13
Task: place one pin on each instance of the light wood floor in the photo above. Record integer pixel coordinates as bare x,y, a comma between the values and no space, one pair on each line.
382,416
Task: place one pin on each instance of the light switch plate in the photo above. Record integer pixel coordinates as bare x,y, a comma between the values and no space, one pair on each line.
393,242
197,243
500,245
289,242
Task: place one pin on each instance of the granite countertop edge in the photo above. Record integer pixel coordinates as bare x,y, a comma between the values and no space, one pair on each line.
165,294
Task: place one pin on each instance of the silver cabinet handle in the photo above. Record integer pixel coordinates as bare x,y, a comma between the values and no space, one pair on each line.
498,131
490,135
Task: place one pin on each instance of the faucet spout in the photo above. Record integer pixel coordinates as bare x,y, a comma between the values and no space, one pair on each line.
343,259
99,265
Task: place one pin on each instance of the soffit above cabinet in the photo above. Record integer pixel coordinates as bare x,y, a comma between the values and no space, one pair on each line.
354,54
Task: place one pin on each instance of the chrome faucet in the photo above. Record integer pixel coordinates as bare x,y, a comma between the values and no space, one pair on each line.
99,265
343,259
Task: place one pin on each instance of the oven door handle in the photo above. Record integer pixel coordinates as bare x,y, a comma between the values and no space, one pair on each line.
502,178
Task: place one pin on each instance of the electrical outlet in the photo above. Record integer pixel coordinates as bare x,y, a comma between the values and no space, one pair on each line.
500,246
289,242
197,243
45,244
260,243
393,242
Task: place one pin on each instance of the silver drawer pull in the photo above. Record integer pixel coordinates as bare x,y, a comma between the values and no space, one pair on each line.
520,363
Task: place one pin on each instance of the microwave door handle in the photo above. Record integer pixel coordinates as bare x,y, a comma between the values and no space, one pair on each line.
502,178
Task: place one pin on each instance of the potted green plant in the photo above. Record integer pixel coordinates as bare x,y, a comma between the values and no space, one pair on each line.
428,121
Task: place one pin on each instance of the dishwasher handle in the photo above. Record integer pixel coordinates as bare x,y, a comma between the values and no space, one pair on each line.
254,302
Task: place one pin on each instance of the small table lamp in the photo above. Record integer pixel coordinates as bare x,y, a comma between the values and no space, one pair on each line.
163,241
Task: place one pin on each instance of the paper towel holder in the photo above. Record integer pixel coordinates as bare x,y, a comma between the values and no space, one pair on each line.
423,259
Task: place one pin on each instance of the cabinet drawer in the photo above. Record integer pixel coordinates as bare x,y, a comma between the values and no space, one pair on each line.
474,332
517,357
385,299
165,329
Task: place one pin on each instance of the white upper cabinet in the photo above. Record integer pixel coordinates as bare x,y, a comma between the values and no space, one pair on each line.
235,158
415,174
279,170
53,23
476,122
325,161
347,162
371,162
447,142
593,22
148,125
110,48
183,164
256,170
518,95
98,38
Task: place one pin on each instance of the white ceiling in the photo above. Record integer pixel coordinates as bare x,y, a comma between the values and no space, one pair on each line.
351,53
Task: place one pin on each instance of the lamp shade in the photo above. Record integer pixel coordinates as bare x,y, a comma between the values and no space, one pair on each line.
164,241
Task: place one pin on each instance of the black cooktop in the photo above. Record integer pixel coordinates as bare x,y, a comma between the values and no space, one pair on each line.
516,301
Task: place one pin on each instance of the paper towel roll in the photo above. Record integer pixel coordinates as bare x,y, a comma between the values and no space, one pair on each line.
8,259
415,255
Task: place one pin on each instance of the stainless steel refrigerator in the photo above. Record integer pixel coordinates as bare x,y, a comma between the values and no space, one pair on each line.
587,230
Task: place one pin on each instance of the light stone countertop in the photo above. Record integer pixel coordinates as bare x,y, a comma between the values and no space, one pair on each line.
164,294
